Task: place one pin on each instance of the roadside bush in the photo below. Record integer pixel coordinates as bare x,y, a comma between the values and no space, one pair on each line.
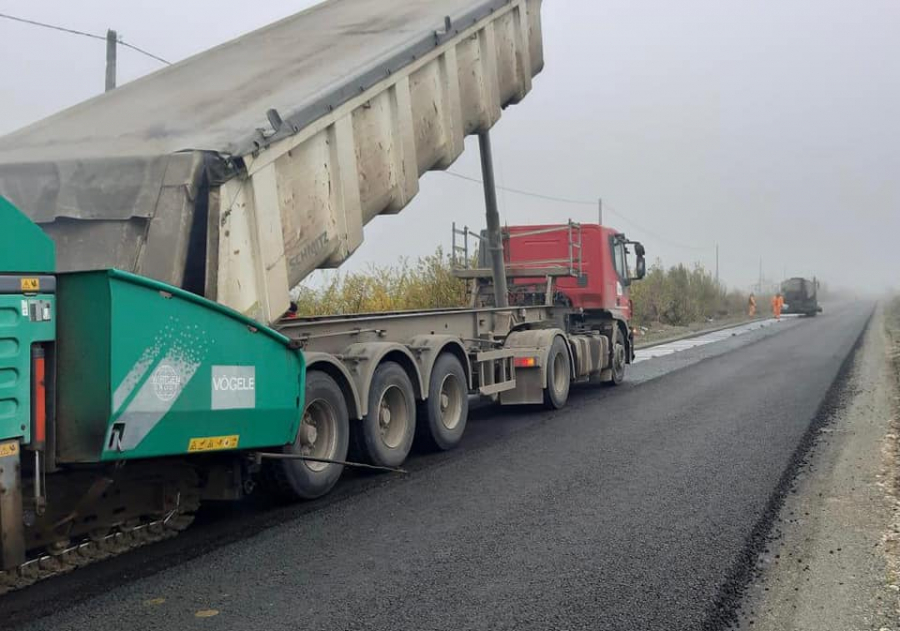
678,295
426,284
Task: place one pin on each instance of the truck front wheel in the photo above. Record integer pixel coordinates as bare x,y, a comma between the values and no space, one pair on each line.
558,375
619,359
447,407
324,433
385,435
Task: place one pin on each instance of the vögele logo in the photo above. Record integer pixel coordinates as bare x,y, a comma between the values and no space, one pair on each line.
233,387
166,382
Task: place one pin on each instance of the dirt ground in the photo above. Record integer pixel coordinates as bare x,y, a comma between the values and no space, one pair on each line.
833,560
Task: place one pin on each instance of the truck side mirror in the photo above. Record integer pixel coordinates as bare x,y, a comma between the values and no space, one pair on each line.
640,267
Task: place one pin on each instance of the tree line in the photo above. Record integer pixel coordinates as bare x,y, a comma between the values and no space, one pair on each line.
677,295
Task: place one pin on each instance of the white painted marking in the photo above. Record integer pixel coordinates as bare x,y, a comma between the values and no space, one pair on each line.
662,350
134,377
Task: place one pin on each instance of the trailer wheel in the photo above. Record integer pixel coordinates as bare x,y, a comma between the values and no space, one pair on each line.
385,435
558,375
619,359
447,407
324,433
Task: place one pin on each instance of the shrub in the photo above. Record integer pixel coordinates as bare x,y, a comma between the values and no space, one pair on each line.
678,295
427,284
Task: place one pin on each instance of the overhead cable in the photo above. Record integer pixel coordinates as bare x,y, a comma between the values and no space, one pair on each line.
83,34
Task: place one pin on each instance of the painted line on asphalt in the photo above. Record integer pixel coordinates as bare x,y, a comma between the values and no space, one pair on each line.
668,348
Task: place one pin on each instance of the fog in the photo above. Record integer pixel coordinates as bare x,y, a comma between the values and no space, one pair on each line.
768,128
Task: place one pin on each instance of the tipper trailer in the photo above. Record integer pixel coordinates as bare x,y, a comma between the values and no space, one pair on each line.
568,323
144,363
235,173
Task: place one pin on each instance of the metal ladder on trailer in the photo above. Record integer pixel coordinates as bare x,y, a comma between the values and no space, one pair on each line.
547,269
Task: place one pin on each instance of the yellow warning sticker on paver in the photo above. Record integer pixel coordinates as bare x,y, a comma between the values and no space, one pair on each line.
30,284
213,443
9,449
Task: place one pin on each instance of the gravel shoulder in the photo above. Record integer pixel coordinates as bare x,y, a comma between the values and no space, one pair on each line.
831,561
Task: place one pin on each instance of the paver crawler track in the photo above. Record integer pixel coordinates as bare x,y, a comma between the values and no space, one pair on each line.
123,539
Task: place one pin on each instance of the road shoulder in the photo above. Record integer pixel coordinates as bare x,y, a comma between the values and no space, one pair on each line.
830,560
669,334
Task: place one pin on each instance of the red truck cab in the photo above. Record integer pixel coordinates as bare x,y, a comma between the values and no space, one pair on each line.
592,260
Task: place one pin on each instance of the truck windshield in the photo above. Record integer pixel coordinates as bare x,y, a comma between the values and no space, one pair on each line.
619,261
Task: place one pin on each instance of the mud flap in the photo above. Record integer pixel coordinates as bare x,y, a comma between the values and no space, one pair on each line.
529,388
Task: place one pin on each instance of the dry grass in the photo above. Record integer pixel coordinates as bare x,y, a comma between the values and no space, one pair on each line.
676,296
426,284
681,295
892,324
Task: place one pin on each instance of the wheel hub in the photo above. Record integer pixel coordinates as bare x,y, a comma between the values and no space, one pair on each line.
449,402
393,416
308,434
620,358
560,372
316,436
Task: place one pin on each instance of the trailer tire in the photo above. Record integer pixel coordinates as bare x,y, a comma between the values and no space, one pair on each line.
446,409
559,375
326,413
385,435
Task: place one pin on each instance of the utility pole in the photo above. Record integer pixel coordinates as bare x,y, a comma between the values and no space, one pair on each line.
111,43
760,275
717,265
600,210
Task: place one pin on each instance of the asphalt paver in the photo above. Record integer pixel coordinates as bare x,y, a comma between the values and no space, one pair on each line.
635,507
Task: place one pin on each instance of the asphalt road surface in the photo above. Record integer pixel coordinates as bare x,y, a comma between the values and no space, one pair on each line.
638,507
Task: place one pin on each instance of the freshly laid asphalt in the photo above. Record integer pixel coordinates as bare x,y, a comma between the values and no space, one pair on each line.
635,507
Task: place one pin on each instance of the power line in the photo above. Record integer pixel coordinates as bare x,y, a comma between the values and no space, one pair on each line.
144,52
653,234
51,26
83,34
584,202
551,198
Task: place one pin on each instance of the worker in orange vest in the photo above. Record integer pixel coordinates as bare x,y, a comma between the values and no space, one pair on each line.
777,305
751,306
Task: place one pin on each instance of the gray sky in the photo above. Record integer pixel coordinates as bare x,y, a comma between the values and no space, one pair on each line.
769,127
